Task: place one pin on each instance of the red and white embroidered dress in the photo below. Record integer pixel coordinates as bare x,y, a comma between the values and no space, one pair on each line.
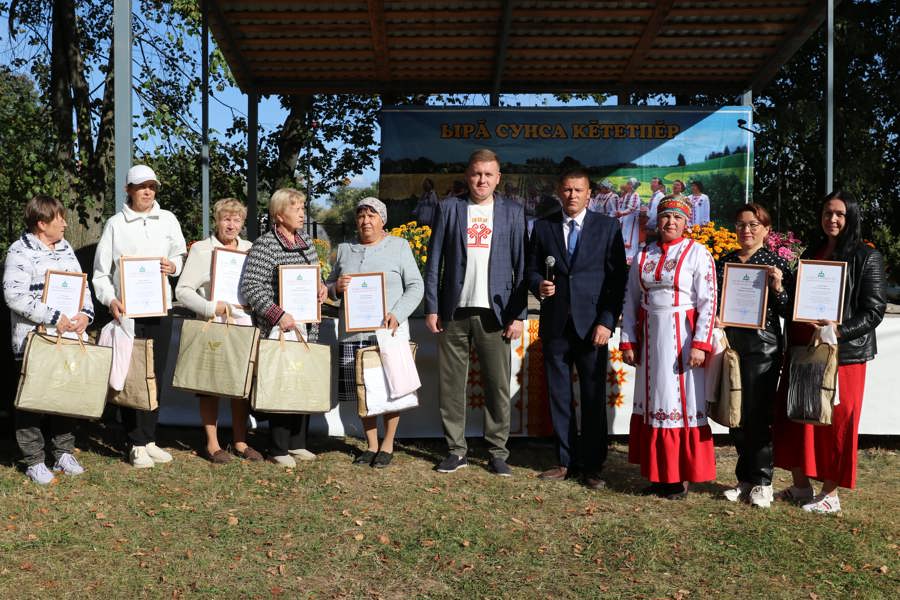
628,206
670,307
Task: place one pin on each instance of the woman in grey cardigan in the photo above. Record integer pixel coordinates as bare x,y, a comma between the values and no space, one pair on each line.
376,252
285,244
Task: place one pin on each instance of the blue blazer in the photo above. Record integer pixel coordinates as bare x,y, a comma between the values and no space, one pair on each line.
590,288
445,269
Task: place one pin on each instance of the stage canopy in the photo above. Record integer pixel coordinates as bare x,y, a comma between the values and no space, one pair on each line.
509,46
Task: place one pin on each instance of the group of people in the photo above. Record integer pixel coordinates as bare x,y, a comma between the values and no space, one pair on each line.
481,266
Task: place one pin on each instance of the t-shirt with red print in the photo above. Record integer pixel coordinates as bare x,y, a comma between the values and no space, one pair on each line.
479,232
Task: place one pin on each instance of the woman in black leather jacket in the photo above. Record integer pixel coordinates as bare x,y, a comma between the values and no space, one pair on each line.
760,352
828,453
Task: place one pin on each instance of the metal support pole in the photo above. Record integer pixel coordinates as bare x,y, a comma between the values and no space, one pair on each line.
204,126
747,100
121,96
829,102
252,152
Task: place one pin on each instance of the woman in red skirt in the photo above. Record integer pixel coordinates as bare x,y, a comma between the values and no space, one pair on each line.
828,453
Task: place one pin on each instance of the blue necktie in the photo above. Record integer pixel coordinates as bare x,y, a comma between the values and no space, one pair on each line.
573,238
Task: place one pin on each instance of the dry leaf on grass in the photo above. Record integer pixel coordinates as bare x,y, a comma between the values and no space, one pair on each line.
384,540
232,520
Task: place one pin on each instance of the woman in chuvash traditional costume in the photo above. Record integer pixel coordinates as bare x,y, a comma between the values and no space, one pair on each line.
669,315
627,210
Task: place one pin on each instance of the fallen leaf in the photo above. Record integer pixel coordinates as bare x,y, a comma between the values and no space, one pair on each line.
281,570
883,569
232,520
358,537
427,543
383,539
26,566
358,522
99,516
517,521
346,512
276,591
466,543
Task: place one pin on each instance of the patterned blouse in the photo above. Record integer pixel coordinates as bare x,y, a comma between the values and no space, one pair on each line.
779,304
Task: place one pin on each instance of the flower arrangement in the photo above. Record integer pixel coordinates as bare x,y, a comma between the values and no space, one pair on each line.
785,245
323,250
718,240
418,237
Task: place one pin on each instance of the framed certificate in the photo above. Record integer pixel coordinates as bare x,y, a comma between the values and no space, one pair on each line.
143,286
745,295
820,290
365,303
298,292
64,291
225,276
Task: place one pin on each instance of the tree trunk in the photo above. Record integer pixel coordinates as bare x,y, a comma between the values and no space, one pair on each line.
291,139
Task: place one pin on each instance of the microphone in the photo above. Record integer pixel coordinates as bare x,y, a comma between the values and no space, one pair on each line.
550,261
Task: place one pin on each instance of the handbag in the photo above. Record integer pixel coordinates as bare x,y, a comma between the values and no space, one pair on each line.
292,377
140,383
812,383
372,388
399,363
726,406
216,359
63,376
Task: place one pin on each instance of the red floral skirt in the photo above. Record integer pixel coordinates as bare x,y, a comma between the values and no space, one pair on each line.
671,455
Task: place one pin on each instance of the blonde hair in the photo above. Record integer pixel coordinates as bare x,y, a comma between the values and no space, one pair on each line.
483,155
282,199
229,206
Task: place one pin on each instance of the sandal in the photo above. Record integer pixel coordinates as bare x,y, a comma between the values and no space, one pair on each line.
364,459
248,453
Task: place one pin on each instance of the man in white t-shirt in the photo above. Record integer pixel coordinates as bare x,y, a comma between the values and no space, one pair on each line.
475,297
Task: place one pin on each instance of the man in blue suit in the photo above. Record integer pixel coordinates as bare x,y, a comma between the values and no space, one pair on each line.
576,265
475,295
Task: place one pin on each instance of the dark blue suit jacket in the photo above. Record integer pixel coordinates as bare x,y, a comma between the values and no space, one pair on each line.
445,269
591,287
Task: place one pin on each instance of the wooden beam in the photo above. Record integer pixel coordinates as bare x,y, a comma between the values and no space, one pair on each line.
379,39
226,42
806,26
502,46
660,13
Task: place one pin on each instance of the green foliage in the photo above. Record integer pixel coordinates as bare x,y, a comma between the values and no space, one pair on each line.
339,219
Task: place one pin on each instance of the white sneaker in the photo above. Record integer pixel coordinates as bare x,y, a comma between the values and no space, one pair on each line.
40,474
302,454
738,492
285,460
761,496
68,465
139,458
796,495
824,503
157,454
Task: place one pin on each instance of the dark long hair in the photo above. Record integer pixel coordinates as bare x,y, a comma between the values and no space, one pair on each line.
851,235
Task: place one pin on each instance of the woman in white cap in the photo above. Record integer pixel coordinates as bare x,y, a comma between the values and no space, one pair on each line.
141,228
376,251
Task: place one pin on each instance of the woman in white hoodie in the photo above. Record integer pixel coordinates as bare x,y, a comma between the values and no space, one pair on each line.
141,228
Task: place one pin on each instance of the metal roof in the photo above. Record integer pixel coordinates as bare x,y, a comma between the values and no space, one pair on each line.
509,46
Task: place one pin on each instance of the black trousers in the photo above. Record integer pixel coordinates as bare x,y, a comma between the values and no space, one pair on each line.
287,431
588,448
761,357
140,425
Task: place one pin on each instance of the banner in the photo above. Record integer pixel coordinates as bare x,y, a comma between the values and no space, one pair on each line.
424,152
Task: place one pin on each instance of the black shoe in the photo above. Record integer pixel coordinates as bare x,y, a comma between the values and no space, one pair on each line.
452,463
676,491
382,459
498,466
364,459
655,489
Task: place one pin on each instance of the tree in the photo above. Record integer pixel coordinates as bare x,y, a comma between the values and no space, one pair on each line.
339,219
681,161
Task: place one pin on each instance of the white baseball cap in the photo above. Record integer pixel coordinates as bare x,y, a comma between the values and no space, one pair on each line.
138,174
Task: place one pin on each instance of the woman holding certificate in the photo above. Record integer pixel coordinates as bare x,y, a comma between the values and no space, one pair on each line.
285,244
828,452
667,323
42,251
194,291
376,252
760,294
140,236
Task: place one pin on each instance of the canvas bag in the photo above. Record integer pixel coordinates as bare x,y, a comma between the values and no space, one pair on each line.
216,359
292,377
373,397
724,405
140,384
813,382
63,377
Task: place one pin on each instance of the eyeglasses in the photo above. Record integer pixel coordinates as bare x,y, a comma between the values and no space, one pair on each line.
751,226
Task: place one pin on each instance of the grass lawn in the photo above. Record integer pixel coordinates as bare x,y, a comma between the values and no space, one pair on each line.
329,529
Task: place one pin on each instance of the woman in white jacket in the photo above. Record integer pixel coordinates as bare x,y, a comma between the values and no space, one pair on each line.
141,228
193,290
